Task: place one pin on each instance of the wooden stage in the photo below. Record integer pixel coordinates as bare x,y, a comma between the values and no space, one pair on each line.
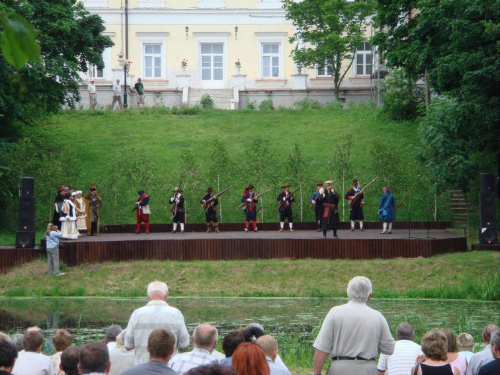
120,243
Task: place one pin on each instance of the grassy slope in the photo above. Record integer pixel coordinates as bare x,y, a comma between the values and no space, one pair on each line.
472,275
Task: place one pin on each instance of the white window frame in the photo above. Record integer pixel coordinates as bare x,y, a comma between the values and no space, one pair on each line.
211,3
327,70
153,38
151,4
271,38
364,53
213,38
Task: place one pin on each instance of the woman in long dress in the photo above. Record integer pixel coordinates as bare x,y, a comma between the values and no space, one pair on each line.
386,210
68,229
81,223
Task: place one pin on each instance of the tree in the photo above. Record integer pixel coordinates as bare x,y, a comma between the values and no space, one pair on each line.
332,30
70,39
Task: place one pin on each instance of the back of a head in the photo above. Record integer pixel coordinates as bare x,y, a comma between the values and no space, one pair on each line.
212,369
8,354
268,344
69,360
231,342
465,342
32,340
205,336
157,290
359,289
451,339
434,345
405,331
252,332
120,339
113,332
61,340
487,331
17,340
495,338
249,359
94,357
161,343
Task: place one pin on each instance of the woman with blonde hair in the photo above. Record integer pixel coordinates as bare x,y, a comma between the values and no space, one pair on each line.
249,359
52,236
455,359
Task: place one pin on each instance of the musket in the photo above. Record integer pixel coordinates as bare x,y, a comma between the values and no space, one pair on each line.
409,191
223,191
355,198
255,197
290,195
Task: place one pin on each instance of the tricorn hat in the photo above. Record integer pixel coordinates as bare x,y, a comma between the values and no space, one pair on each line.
176,189
286,185
93,187
140,192
319,184
354,182
386,188
209,190
329,183
250,186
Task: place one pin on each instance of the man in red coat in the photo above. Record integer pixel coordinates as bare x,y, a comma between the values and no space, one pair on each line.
142,208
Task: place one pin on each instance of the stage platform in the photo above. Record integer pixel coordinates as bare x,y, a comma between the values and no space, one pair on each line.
120,243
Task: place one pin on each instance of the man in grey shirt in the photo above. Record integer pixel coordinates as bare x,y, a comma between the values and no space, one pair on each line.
483,357
353,334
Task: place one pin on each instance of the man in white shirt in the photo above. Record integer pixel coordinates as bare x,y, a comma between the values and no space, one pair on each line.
405,353
204,341
485,356
156,314
269,346
31,361
92,94
117,94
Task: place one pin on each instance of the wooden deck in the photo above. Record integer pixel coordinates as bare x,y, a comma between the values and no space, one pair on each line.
119,243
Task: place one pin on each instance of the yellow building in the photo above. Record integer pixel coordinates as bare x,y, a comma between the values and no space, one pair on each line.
212,36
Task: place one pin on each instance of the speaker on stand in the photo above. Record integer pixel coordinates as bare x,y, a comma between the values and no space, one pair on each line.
25,235
488,232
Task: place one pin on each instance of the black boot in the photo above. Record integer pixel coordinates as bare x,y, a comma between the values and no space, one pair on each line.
335,234
93,228
324,234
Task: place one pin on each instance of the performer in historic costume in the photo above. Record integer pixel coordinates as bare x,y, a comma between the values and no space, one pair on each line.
209,202
317,204
386,211
250,199
58,202
330,214
178,210
68,222
355,196
81,215
143,211
285,208
93,206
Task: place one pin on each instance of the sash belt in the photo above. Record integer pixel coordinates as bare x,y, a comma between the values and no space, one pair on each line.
342,358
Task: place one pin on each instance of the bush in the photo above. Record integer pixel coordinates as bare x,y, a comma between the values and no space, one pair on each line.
266,105
251,104
207,102
307,104
335,105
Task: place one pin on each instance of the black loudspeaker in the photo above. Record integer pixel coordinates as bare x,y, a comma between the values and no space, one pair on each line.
28,187
487,209
488,236
25,240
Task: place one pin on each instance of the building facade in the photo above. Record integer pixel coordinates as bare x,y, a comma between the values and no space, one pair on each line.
235,50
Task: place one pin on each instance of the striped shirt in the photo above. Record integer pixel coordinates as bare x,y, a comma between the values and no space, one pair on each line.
184,362
402,360
156,314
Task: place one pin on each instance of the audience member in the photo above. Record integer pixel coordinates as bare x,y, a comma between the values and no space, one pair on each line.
212,369
465,344
161,343
156,314
61,340
69,360
455,359
8,356
252,332
405,353
31,361
483,357
94,359
4,336
229,345
121,358
249,359
204,340
434,347
111,334
352,334
493,367
269,346
17,340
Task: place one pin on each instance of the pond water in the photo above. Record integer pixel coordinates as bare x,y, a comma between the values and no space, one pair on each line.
88,318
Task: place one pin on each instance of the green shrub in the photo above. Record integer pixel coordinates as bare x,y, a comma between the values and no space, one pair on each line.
266,105
335,105
251,104
207,102
307,104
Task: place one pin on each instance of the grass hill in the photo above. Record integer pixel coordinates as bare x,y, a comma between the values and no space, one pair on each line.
153,149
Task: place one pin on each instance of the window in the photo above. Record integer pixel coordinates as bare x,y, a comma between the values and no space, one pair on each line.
270,60
95,72
364,59
212,65
326,69
152,60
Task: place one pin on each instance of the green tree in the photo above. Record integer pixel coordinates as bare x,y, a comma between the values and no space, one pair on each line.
70,39
328,32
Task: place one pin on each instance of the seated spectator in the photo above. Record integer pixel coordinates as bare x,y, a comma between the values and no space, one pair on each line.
111,334
61,340
69,360
17,340
8,356
121,358
493,367
204,341
249,359
4,336
434,347
465,343
229,345
484,356
31,361
270,347
94,358
405,353
252,332
161,343
455,359
211,369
